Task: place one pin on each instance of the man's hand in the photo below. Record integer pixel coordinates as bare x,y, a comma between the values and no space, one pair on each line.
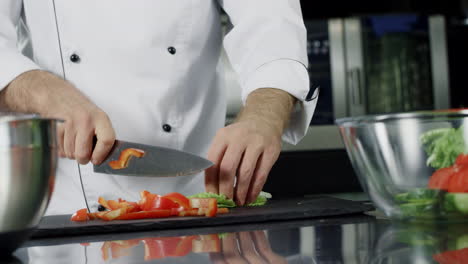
246,247
50,96
244,152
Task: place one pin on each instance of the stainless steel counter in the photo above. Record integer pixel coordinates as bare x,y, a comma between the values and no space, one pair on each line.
351,239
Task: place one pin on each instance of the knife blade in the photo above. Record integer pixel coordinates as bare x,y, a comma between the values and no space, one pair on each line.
156,162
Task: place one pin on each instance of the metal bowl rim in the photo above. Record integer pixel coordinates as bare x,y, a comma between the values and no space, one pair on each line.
421,115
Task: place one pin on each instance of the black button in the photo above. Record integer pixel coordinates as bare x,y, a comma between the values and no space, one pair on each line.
75,58
167,128
172,50
101,208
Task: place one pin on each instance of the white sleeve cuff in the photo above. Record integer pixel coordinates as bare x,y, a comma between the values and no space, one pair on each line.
13,64
292,77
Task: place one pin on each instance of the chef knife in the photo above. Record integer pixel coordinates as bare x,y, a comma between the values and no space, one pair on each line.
156,162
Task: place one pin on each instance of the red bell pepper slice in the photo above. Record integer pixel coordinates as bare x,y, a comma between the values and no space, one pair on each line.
104,203
114,214
124,158
209,205
150,201
80,215
222,211
440,178
180,199
145,215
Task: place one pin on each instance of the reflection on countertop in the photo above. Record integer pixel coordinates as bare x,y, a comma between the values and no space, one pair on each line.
351,239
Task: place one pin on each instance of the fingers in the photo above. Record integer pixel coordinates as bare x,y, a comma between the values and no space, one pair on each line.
264,249
60,135
105,140
231,252
217,258
248,248
84,145
265,163
228,169
69,140
75,137
245,173
215,155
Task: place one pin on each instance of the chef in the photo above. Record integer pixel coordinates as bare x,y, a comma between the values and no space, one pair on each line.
146,71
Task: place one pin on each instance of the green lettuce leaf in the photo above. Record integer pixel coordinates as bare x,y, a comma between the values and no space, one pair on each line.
443,146
224,202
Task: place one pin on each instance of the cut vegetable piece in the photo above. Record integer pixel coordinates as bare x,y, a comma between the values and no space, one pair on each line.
459,201
209,205
179,199
223,211
114,214
146,215
459,180
461,159
443,146
419,209
462,242
103,202
80,215
418,195
125,157
440,179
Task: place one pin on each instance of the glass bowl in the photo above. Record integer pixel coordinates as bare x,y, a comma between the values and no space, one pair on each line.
412,165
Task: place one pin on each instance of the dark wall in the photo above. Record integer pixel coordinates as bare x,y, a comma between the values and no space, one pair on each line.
334,8
457,42
312,172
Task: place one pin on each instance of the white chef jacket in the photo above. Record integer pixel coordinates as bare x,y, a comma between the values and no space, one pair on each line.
150,63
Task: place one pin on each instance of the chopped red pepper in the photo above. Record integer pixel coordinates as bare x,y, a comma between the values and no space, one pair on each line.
80,215
152,206
180,199
146,215
124,158
209,205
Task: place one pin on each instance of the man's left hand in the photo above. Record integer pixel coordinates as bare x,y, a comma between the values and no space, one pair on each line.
243,154
245,151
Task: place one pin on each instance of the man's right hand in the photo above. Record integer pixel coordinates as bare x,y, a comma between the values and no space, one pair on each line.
50,96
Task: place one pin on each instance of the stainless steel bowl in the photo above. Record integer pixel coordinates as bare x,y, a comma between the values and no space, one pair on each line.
390,160
28,158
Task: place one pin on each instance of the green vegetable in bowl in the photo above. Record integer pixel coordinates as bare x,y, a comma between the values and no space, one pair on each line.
418,195
456,202
442,146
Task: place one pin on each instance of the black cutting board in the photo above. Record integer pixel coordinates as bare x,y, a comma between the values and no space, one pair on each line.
274,210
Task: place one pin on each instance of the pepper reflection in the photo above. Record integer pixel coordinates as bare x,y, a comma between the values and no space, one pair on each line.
242,247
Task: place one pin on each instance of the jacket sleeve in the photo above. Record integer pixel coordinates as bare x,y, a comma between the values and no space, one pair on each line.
12,61
267,48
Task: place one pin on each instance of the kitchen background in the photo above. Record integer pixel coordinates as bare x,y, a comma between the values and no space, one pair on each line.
368,57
